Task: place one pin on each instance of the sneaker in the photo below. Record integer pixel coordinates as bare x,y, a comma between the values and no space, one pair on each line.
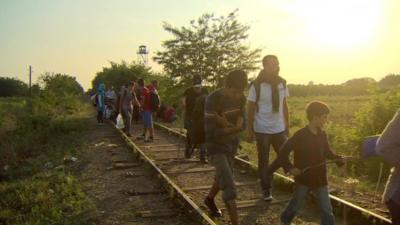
141,137
203,160
267,195
188,152
214,211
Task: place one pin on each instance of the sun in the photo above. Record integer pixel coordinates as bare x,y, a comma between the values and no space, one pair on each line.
339,23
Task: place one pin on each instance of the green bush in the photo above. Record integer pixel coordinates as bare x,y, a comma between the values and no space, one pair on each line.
12,87
38,130
371,120
43,199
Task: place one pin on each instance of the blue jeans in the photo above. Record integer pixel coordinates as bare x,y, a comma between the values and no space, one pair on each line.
203,151
298,199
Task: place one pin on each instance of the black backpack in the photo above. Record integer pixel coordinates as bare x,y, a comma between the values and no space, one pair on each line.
198,131
257,87
154,101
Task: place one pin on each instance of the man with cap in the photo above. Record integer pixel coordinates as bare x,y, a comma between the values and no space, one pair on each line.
188,101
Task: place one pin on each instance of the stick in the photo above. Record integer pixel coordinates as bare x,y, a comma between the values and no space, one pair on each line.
329,162
379,181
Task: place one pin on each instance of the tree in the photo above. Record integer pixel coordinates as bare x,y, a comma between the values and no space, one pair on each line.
209,47
360,82
390,81
118,74
12,87
60,84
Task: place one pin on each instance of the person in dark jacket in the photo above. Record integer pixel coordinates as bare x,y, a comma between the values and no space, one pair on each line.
310,148
224,120
189,99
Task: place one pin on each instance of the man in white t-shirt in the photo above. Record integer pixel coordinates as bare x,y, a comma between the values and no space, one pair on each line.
268,118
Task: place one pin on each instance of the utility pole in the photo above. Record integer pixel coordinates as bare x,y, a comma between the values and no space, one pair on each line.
30,80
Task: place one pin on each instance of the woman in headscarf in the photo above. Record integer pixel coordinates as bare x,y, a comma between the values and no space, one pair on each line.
100,102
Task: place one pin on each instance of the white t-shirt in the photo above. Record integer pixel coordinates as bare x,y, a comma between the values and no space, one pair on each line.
265,120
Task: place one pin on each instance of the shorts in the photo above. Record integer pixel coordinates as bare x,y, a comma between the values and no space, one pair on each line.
223,164
147,119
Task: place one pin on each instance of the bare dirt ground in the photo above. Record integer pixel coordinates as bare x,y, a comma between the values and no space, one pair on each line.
131,196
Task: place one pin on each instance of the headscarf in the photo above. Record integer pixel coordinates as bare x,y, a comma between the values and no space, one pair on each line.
101,92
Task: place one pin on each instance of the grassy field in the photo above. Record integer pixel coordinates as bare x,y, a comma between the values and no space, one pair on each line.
342,133
34,140
343,137
37,185
342,108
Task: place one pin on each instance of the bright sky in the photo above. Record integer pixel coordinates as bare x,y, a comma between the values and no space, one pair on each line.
325,41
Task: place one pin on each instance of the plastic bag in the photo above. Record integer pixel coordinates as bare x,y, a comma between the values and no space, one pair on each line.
369,146
120,122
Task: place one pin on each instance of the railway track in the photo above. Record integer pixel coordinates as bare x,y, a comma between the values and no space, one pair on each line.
188,182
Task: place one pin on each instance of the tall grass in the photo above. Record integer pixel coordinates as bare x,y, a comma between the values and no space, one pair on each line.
36,134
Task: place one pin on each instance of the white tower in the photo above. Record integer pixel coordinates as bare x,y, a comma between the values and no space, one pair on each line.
142,55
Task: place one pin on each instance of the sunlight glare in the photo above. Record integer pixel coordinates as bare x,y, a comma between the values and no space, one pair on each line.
339,23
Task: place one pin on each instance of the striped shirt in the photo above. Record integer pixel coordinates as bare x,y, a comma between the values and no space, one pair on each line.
217,140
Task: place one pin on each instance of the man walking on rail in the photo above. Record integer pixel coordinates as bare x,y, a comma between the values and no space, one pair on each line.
224,120
189,99
268,118
149,105
388,146
127,101
311,148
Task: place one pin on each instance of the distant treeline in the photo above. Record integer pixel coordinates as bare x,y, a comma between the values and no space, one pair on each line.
119,74
12,87
354,87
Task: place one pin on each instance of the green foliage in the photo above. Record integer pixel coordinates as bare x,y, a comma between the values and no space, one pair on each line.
119,74
209,47
39,126
352,118
12,87
373,118
60,84
360,82
353,87
390,81
34,131
43,199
